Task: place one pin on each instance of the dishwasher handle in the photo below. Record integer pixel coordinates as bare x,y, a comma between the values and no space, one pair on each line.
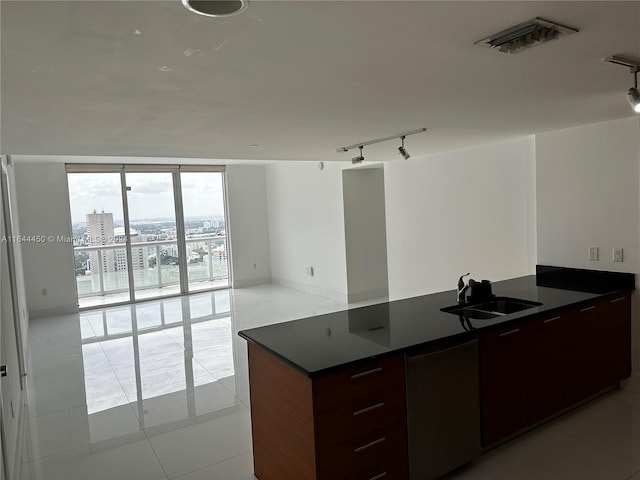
436,351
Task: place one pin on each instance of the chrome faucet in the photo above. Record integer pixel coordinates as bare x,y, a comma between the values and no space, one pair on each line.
462,288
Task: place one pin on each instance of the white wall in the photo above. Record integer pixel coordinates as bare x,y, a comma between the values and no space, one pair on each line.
588,195
306,227
43,208
465,211
248,225
365,233
446,214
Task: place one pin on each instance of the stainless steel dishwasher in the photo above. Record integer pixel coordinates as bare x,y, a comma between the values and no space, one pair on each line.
443,407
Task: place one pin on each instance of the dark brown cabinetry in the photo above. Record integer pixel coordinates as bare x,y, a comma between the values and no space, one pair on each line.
536,367
545,365
349,424
616,345
503,364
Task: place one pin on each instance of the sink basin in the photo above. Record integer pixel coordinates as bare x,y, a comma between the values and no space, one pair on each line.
506,305
470,312
497,307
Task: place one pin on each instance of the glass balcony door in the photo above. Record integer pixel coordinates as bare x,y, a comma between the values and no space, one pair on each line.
153,234
100,255
145,232
205,230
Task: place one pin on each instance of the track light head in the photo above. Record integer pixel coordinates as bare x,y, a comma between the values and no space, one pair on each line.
358,159
403,151
633,97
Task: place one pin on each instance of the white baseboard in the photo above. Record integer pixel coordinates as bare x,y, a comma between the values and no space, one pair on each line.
53,312
312,289
369,295
250,282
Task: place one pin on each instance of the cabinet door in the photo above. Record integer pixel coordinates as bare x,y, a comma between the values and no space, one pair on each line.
615,338
546,365
583,350
503,379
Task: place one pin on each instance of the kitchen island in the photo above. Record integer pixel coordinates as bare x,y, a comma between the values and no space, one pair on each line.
328,392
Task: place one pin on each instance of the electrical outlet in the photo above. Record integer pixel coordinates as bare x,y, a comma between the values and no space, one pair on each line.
616,254
593,254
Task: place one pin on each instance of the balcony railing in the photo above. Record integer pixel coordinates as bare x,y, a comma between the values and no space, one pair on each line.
102,269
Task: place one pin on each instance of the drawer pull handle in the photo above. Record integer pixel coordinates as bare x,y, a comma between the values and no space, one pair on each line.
551,319
368,409
369,445
516,330
618,299
379,476
587,309
364,374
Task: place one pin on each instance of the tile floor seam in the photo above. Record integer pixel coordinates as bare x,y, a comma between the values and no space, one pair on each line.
55,412
155,454
209,466
113,370
39,459
228,389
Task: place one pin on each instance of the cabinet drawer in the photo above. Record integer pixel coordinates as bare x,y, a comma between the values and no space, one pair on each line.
364,414
333,389
393,469
354,457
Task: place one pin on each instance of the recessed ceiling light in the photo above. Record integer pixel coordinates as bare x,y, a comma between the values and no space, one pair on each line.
254,145
216,8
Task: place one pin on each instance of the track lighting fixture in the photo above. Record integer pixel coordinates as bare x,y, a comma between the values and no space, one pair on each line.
403,151
633,97
359,158
360,145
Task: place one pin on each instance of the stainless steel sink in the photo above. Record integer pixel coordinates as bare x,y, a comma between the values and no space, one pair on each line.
497,307
506,305
470,312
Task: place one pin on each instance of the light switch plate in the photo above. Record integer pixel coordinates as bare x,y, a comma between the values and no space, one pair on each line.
617,254
593,254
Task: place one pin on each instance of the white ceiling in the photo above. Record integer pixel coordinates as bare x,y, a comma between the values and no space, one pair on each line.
300,78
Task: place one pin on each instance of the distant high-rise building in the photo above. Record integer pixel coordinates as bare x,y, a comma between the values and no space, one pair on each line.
139,255
100,232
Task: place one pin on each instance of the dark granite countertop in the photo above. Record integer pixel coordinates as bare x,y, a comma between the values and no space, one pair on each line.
322,343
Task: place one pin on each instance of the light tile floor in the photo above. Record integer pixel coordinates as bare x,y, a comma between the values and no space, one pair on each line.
159,390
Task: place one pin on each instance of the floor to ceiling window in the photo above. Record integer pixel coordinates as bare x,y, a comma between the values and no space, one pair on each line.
144,231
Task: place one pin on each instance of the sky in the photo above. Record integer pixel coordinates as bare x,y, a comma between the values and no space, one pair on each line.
151,195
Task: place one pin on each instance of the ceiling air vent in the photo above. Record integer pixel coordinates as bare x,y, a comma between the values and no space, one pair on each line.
525,35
